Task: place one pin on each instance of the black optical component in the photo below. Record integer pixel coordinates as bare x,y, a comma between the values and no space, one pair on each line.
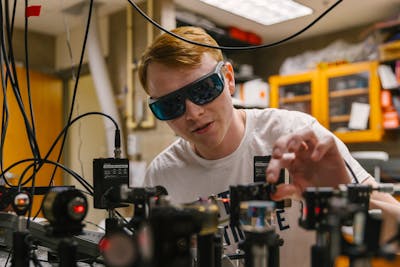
254,191
200,92
65,209
6,197
120,249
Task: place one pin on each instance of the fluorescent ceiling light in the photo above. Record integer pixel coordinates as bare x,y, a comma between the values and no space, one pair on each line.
266,12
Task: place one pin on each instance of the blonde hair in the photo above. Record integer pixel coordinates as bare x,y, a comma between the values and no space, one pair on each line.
169,50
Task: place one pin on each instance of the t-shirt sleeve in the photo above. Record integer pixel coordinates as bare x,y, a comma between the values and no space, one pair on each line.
150,177
354,168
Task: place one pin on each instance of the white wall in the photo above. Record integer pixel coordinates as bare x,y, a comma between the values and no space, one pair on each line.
62,57
86,140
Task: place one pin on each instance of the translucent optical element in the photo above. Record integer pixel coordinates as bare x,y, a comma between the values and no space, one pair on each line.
266,12
79,209
257,216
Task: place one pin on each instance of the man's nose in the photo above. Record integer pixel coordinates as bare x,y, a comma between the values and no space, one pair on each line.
193,111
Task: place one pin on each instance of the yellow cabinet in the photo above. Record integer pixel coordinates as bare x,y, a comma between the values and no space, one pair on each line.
296,92
344,87
345,99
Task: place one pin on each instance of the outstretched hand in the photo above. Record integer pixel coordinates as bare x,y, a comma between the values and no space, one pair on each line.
311,161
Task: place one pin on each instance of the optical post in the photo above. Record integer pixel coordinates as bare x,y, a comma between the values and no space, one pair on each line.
21,242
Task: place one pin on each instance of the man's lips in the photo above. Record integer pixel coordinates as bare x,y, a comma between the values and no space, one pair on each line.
203,128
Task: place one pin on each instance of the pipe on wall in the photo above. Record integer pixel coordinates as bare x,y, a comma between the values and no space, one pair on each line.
102,82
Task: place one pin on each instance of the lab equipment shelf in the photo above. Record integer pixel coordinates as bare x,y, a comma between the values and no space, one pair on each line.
328,94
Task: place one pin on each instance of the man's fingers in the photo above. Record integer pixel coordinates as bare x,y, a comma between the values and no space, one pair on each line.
272,172
296,142
325,144
284,191
285,150
276,164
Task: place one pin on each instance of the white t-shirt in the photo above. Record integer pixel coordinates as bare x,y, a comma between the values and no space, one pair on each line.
186,176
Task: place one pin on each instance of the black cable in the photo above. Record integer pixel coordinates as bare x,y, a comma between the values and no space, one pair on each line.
65,129
4,58
122,217
69,124
28,83
351,171
15,164
8,257
68,170
82,181
28,87
71,172
13,17
9,31
4,81
4,114
14,81
98,226
76,85
237,47
46,261
84,192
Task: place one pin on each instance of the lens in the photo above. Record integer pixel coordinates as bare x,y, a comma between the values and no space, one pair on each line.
200,92
21,203
64,207
119,249
257,215
169,107
206,90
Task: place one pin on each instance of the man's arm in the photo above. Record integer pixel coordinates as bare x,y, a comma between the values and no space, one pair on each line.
313,161
390,210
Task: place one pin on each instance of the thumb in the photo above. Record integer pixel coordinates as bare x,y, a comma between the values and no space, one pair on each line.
285,191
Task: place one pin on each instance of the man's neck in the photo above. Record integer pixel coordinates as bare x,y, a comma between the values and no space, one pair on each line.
231,141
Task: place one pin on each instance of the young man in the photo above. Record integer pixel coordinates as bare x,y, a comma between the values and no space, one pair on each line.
190,88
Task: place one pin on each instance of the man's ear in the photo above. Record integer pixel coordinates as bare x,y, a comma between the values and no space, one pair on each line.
230,77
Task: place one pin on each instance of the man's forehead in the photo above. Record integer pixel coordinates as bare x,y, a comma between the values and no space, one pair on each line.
164,79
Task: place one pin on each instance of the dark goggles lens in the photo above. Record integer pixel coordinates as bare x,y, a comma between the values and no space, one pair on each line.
200,92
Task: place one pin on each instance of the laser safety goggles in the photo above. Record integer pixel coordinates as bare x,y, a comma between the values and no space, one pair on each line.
200,92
